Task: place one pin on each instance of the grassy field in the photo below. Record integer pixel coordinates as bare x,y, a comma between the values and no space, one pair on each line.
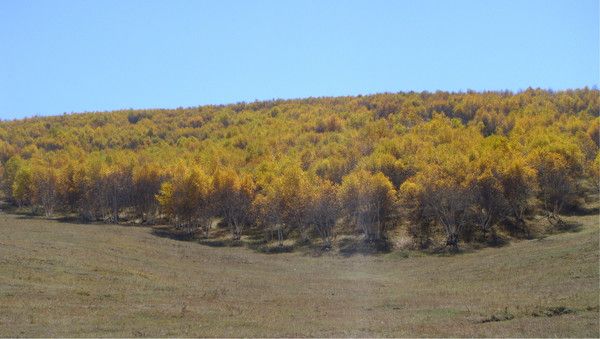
68,279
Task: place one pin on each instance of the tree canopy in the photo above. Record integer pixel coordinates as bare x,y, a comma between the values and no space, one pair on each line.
452,163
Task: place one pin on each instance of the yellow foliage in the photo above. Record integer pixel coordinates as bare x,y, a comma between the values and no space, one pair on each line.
279,161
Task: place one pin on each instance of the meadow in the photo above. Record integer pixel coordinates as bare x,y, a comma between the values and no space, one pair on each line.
63,278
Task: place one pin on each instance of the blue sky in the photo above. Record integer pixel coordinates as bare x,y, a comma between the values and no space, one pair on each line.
75,56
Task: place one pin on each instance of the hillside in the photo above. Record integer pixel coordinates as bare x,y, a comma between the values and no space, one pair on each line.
69,279
445,168
432,214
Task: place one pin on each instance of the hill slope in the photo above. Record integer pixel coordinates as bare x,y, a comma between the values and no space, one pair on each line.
63,279
453,168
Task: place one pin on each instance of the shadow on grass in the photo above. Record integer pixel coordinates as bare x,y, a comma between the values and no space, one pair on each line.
259,246
353,246
446,251
168,232
496,240
581,211
566,226
266,249
554,311
316,249
75,218
221,242
71,219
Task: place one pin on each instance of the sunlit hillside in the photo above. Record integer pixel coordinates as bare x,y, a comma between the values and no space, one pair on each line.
442,168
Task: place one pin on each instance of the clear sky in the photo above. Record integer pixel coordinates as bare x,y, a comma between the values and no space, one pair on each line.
75,56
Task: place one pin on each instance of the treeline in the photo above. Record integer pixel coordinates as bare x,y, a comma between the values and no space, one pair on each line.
461,165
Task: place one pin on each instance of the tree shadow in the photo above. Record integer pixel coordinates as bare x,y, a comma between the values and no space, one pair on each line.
581,211
352,246
63,219
446,251
221,242
276,249
73,219
258,245
567,226
172,233
315,248
497,241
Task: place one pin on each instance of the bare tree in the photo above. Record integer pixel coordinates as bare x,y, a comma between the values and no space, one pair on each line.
44,186
449,205
232,198
324,210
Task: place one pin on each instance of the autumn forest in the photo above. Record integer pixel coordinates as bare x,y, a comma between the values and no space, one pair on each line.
446,169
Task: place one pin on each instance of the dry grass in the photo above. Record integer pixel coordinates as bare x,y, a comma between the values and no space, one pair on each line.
63,279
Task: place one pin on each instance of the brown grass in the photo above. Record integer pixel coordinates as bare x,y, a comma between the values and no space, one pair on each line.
66,279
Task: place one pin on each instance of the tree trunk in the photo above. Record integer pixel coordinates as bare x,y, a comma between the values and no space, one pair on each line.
280,236
452,241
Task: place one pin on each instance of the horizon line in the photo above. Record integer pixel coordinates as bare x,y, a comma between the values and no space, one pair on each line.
594,87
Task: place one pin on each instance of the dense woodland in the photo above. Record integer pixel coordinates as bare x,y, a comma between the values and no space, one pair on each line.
443,167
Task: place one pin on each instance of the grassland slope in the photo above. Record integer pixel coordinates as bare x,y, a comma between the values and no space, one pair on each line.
63,279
